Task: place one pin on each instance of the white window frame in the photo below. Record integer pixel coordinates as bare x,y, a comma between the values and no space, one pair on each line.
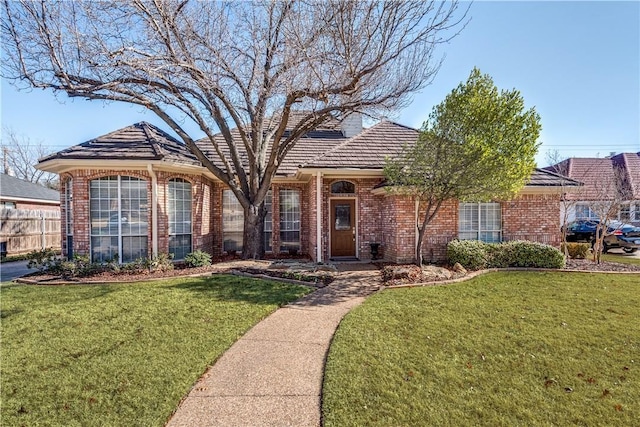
232,221
115,211
180,211
290,220
479,226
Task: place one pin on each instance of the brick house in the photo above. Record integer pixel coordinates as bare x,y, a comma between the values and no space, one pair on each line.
612,178
138,191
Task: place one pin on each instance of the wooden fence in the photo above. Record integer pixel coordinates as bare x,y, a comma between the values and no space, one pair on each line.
23,230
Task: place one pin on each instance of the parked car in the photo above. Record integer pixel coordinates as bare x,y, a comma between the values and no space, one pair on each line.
619,235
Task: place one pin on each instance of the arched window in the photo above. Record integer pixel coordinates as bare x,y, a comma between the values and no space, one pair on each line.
119,216
343,187
179,211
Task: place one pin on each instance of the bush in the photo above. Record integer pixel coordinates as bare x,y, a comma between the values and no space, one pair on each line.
45,260
535,255
471,254
476,255
162,262
197,259
576,250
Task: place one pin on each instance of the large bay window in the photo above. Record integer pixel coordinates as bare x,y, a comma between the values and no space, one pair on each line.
119,218
179,211
480,221
232,222
289,220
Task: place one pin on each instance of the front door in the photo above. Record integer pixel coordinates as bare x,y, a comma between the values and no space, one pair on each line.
343,228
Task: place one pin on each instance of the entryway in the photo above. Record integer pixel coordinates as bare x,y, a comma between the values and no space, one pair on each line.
343,228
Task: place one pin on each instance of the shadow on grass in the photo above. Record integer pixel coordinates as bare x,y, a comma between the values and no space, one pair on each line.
224,287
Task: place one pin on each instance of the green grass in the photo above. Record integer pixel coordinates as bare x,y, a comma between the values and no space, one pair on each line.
621,258
504,349
120,355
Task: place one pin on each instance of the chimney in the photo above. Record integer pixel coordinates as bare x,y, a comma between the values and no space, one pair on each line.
351,125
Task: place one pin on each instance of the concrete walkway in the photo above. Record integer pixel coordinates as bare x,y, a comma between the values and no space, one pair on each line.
273,375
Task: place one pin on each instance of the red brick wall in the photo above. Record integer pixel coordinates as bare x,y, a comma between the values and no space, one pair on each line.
532,217
441,230
36,206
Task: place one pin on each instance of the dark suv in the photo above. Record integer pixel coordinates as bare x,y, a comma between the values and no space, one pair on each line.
619,235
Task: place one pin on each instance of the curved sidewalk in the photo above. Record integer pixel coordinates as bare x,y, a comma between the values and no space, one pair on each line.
273,375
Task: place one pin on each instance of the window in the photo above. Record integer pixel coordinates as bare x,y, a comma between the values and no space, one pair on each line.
8,205
480,221
636,212
268,223
289,220
68,220
343,187
583,211
119,218
179,210
232,222
625,213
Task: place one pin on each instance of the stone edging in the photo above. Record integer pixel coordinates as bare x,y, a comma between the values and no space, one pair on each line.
102,282
493,270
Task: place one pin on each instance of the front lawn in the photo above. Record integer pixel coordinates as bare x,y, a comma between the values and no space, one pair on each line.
621,257
503,349
120,354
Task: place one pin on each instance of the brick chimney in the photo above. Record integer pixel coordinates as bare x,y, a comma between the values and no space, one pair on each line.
351,125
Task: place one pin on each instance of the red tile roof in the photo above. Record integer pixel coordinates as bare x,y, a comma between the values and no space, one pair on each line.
600,174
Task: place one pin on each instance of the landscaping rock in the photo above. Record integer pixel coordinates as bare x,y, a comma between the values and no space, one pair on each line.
432,272
327,267
458,268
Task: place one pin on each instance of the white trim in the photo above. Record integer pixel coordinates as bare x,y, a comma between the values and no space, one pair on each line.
318,216
22,199
154,211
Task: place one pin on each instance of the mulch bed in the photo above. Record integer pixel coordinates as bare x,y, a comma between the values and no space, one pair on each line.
589,265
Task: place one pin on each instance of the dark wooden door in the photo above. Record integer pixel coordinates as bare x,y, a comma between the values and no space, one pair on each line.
343,228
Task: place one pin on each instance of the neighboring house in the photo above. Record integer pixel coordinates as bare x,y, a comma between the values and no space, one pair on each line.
19,194
137,191
608,178
29,216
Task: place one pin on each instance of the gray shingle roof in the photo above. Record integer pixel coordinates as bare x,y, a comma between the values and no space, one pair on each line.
368,149
141,141
546,178
310,146
11,187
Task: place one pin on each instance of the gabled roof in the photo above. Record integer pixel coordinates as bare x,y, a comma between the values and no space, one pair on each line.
597,174
12,188
141,141
368,149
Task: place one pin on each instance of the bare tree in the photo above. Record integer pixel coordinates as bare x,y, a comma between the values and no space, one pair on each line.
20,155
570,192
226,65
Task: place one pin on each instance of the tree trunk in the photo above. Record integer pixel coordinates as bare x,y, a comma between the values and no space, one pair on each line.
253,236
421,231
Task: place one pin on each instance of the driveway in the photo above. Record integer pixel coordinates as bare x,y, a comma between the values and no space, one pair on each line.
12,270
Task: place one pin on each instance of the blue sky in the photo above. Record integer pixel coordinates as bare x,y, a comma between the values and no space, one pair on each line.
578,63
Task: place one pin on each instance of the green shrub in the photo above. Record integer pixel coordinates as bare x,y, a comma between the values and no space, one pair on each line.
536,255
197,259
45,260
576,250
471,254
162,262
476,255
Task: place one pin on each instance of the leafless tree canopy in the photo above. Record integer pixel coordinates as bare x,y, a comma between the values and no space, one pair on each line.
228,65
19,156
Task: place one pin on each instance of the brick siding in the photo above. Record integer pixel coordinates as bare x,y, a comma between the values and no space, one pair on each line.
385,219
